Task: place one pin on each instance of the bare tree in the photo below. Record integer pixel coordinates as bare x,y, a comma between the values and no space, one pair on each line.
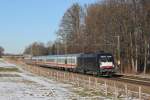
36,49
70,29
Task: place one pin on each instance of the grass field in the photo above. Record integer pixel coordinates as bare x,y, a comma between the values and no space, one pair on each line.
2,69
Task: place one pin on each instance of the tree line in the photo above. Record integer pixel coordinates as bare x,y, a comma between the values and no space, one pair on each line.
40,49
1,51
121,27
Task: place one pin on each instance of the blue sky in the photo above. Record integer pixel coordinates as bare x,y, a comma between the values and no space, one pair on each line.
25,21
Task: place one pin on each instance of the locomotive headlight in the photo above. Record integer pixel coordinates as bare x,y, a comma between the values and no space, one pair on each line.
113,65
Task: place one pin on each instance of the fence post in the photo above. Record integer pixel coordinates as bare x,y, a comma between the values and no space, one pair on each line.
126,91
52,75
48,73
89,82
140,93
57,76
116,94
78,81
35,71
64,75
39,73
106,92
95,83
71,77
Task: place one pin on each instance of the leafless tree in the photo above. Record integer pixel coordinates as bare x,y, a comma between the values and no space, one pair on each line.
36,49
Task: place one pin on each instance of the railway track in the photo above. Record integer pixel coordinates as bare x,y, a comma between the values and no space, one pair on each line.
121,78
138,78
133,80
120,81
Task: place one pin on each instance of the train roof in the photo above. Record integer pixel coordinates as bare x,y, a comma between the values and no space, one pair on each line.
74,55
103,53
64,55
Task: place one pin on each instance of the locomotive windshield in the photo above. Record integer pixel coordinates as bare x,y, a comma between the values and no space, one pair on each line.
106,59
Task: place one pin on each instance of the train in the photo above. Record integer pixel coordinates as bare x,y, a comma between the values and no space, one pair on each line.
95,63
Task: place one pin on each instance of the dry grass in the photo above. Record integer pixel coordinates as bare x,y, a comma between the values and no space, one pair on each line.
9,70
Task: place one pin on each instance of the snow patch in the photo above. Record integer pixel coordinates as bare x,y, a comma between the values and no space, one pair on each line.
4,64
31,87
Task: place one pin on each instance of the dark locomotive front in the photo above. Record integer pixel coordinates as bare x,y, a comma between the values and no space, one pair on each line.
102,63
106,64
